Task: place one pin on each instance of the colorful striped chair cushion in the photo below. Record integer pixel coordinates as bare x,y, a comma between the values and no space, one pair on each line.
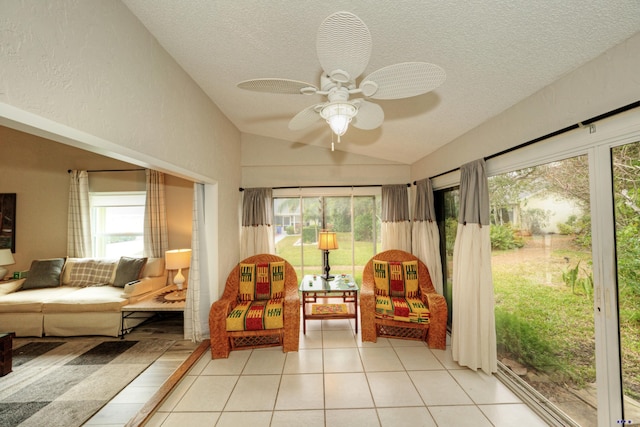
256,315
395,278
262,281
402,309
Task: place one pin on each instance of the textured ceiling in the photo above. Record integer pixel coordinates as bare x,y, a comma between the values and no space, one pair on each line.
495,53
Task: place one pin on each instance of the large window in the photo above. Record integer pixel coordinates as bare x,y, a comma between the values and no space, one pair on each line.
117,221
355,219
565,249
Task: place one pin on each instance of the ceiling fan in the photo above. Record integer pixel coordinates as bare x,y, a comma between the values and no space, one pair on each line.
344,47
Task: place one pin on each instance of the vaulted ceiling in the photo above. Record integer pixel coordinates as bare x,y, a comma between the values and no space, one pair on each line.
495,53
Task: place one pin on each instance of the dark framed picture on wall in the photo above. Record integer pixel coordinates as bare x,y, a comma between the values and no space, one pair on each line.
8,221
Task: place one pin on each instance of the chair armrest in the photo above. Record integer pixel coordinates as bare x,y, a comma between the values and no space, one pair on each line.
437,336
368,311
219,312
292,305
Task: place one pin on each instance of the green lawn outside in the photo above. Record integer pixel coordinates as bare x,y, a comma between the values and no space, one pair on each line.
545,324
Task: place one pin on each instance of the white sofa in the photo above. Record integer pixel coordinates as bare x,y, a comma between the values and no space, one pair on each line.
73,309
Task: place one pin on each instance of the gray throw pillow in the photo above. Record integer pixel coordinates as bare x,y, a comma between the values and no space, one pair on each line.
128,270
44,273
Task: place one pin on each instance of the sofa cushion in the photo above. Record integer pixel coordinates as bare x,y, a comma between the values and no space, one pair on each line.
154,268
44,273
128,270
10,287
256,316
30,301
91,272
88,299
401,309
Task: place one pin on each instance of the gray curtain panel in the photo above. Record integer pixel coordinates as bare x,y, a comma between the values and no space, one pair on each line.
474,194
424,210
256,207
395,203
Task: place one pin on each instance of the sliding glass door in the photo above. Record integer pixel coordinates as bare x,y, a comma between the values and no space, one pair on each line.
626,184
543,282
565,234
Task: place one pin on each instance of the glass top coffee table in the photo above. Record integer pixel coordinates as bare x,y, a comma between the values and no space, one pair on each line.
318,294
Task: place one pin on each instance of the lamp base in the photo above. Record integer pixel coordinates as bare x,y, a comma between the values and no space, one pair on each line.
3,272
180,295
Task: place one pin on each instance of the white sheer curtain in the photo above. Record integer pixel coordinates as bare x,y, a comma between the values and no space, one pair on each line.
396,222
196,313
425,237
79,219
256,236
155,216
473,336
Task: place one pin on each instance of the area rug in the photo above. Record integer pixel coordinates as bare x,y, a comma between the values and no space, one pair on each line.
329,309
65,382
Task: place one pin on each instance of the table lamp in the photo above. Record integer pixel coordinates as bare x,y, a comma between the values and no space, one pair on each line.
178,259
5,259
327,241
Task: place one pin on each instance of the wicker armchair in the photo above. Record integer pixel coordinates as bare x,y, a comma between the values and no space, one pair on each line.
434,332
223,341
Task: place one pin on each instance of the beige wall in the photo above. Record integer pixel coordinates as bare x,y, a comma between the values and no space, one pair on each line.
606,83
89,74
36,170
268,162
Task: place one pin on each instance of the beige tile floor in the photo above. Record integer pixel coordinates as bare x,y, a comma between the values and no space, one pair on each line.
333,380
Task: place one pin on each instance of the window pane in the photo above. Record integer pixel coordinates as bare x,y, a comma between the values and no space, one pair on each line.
365,232
541,263
117,221
122,220
288,224
299,220
626,181
447,203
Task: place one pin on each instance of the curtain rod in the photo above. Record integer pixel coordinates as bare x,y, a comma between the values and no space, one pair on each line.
110,170
552,134
325,186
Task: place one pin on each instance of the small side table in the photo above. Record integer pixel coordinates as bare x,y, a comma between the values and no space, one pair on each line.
342,286
6,353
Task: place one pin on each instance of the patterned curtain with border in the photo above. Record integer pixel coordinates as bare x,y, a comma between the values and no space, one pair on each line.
155,216
196,313
256,236
473,336
396,221
79,219
425,236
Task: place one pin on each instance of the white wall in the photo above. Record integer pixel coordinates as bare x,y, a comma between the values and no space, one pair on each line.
87,73
268,162
606,83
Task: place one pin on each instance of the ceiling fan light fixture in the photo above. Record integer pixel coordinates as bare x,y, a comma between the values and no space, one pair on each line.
338,115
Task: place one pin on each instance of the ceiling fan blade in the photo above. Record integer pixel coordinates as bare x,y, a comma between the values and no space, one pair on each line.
287,86
304,118
403,80
370,116
344,46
